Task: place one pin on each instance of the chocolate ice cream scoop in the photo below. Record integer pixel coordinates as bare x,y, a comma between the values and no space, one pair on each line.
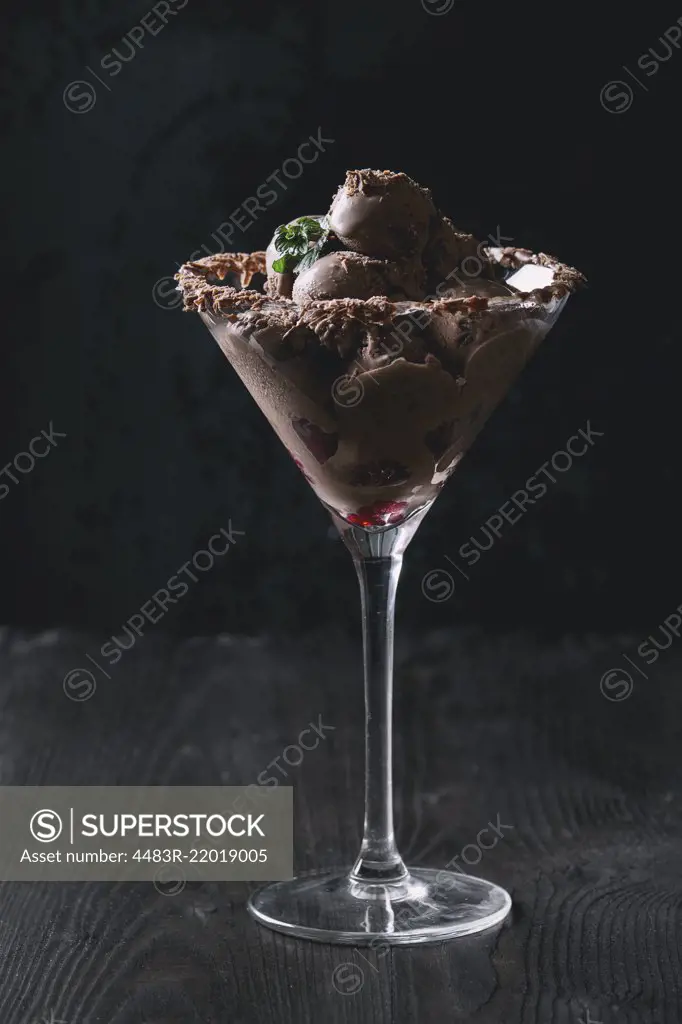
476,286
350,275
382,214
377,364
279,285
451,254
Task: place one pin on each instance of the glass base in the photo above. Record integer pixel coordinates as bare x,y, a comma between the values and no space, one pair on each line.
427,906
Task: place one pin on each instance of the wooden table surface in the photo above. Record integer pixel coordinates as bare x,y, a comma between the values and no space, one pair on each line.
488,728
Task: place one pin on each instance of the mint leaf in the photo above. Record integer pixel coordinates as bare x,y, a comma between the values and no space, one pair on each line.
310,225
300,243
322,247
307,261
284,264
296,237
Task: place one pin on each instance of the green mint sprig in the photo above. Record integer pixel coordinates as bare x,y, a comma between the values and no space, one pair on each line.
300,243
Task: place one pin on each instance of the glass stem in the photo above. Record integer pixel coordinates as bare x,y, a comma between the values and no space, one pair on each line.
379,860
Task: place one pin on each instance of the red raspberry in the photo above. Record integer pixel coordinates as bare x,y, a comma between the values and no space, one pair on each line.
381,513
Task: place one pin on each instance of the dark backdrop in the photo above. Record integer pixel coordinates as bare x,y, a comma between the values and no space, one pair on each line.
496,107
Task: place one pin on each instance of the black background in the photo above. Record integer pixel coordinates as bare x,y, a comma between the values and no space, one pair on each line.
497,108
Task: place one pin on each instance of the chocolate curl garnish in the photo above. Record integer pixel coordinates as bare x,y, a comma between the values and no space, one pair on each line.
246,264
566,279
199,293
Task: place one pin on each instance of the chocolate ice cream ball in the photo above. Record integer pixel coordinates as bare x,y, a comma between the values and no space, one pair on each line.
382,214
351,275
279,285
465,287
448,249
501,347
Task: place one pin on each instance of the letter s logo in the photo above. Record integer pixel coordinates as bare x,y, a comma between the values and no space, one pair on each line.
46,826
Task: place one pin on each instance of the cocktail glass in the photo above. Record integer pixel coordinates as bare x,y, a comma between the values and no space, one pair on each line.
376,430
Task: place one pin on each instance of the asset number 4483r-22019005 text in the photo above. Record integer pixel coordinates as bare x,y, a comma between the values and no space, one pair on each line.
202,856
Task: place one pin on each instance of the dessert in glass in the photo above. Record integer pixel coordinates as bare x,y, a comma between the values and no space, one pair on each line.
378,344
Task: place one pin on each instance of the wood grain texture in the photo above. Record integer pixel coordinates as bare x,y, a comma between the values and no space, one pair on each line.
488,729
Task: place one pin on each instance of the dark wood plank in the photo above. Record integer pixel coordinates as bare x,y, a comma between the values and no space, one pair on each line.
488,729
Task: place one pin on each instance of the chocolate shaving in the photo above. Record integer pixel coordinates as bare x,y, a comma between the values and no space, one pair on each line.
566,279
199,294
369,182
351,325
